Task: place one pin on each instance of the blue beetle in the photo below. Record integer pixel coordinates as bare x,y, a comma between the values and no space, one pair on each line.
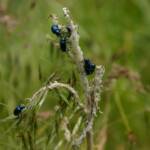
18,110
89,67
55,29
63,44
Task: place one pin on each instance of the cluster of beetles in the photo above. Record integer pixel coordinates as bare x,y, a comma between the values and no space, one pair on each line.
63,36
89,67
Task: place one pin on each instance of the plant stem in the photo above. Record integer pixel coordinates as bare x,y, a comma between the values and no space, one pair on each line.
79,60
122,113
89,137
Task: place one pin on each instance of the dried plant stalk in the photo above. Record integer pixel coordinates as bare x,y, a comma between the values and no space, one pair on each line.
91,92
91,100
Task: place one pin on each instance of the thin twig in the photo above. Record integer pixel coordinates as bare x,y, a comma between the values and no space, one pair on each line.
55,85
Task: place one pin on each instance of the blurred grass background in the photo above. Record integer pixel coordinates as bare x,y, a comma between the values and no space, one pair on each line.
112,33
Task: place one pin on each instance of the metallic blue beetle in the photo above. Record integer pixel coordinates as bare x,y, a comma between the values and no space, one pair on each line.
89,67
18,110
63,44
55,29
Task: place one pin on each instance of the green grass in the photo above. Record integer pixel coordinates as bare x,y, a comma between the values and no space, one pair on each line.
111,32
